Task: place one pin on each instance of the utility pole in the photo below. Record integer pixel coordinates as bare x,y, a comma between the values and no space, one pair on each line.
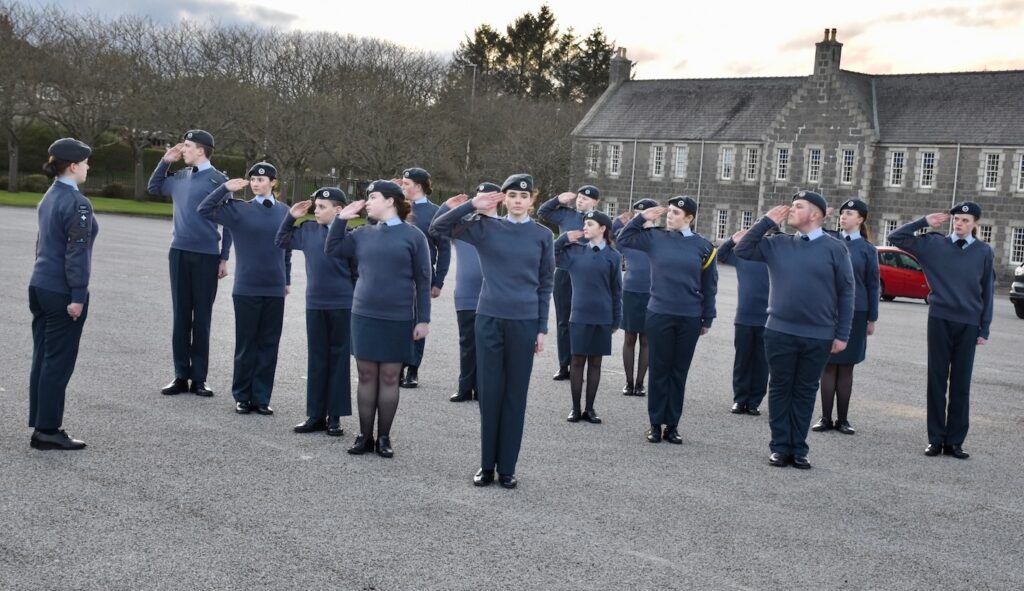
469,131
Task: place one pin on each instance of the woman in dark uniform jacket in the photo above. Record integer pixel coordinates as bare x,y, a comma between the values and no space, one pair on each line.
58,293
511,317
684,282
636,292
390,304
595,270
837,379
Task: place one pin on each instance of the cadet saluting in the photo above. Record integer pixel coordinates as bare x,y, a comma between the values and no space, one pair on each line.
58,292
960,273
684,282
636,293
196,260
512,317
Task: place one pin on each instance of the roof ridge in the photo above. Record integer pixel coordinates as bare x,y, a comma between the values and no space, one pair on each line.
909,74
743,78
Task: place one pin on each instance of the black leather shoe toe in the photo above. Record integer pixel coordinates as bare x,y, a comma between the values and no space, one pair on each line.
739,408
933,449
59,440
243,408
311,425
671,435
639,391
200,389
654,434
956,451
574,416
822,425
845,428
507,480
334,427
563,374
483,477
384,447
461,396
752,411
801,463
362,444
627,390
262,409
590,416
778,460
178,386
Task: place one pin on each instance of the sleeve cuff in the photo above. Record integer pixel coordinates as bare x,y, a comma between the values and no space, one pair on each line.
79,294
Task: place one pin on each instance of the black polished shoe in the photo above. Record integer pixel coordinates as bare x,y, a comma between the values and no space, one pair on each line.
384,447
311,425
243,408
933,449
507,480
801,463
845,428
639,391
574,416
671,435
461,396
778,460
178,386
483,477
739,408
59,440
411,378
334,427
362,444
200,389
590,416
654,434
822,425
956,451
752,411
627,390
262,409
563,374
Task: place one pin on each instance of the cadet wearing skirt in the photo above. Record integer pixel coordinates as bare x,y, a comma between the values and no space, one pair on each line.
636,292
595,269
684,282
390,304
517,263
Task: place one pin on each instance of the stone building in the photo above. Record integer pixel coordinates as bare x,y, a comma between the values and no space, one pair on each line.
907,144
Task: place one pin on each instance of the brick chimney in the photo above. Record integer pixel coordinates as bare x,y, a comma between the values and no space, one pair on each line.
619,68
826,54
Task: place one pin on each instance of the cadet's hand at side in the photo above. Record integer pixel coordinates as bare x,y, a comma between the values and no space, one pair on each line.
222,269
74,311
420,331
838,346
538,346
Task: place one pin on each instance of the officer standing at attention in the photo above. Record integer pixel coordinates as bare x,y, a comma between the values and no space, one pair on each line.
959,270
196,260
636,293
684,283
749,366
810,309
329,285
468,281
559,211
58,292
416,187
512,317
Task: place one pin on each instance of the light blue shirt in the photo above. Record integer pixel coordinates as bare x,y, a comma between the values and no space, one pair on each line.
855,235
525,221
393,221
953,238
204,166
813,234
599,245
68,181
420,201
261,198
686,232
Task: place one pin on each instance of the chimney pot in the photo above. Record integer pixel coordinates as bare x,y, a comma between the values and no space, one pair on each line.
826,35
833,34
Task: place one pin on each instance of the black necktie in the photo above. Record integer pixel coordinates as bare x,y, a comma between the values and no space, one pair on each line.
847,238
267,203
195,169
805,238
961,243
597,248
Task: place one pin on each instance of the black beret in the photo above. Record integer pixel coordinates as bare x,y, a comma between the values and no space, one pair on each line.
332,193
684,203
488,187
814,199
969,207
645,204
263,169
856,205
589,191
598,217
199,136
416,174
69,150
518,182
385,188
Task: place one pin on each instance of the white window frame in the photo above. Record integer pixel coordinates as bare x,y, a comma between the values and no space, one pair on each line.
680,158
985,233
847,167
593,158
1016,245
751,163
892,170
721,224
726,163
986,170
1019,184
889,226
614,159
747,220
782,159
922,168
657,168
814,164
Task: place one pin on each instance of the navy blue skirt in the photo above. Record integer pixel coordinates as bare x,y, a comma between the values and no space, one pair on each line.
634,311
383,341
590,339
857,346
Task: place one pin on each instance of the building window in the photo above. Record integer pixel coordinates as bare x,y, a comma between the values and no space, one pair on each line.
728,163
614,158
888,227
846,174
593,158
896,160
681,154
1017,246
985,233
1020,173
748,220
721,223
992,166
927,170
753,159
782,164
813,165
839,223
657,160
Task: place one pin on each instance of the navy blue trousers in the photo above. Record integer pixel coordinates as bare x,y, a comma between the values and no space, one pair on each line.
671,341
193,290
328,371
55,338
795,365
258,322
951,347
750,366
563,308
504,349
467,350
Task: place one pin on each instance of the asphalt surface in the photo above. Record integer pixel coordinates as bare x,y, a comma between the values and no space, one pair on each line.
182,493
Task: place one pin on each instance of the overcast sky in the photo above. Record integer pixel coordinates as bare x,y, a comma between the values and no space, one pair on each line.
666,39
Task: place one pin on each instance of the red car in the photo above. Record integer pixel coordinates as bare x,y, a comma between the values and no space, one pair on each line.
900,275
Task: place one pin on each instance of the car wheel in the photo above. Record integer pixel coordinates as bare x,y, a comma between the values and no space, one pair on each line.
1020,309
885,296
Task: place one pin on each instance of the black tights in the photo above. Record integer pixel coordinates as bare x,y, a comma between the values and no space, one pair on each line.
377,395
836,382
628,352
593,363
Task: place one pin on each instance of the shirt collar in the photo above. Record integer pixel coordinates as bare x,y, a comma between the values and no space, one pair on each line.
525,221
204,166
600,246
420,201
686,232
953,238
261,198
394,221
855,235
67,181
813,234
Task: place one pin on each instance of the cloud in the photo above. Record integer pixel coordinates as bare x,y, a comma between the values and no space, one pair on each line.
643,54
201,11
